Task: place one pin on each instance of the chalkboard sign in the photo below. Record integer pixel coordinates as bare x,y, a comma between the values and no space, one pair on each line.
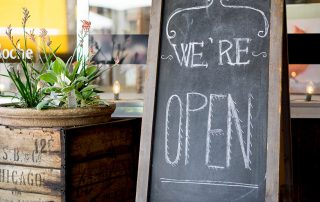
211,121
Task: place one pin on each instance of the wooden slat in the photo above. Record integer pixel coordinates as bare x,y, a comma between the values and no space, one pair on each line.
109,178
96,144
31,179
274,103
100,170
17,196
112,190
98,140
32,147
149,98
100,165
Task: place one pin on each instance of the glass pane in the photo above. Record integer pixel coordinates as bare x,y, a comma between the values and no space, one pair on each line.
303,25
120,32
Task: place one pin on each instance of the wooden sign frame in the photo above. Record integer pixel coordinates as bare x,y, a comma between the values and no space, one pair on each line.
274,101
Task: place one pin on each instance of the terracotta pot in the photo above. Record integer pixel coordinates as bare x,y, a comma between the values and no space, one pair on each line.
13,116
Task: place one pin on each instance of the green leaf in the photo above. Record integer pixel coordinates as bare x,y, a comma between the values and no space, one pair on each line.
68,89
81,79
75,70
51,89
78,94
87,94
4,75
35,70
90,70
58,66
42,104
49,77
19,85
94,77
96,74
56,49
88,88
98,91
79,85
10,96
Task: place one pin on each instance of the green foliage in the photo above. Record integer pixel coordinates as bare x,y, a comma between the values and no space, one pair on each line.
26,81
65,82
53,83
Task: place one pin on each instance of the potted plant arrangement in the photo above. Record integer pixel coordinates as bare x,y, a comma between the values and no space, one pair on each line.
52,92
55,144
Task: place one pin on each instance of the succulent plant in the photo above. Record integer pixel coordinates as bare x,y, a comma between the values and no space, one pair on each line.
53,82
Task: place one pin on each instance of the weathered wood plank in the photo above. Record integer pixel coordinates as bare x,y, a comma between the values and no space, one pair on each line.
100,163
32,147
101,170
94,141
274,102
31,179
17,196
149,101
112,190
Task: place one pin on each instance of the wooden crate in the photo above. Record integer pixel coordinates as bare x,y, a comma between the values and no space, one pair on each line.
90,163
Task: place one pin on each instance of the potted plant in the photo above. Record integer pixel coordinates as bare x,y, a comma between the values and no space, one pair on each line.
52,92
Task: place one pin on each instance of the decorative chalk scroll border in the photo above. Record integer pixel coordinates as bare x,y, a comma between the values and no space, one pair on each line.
264,54
261,33
171,34
169,57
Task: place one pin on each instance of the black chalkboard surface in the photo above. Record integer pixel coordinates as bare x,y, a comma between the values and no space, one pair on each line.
211,112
